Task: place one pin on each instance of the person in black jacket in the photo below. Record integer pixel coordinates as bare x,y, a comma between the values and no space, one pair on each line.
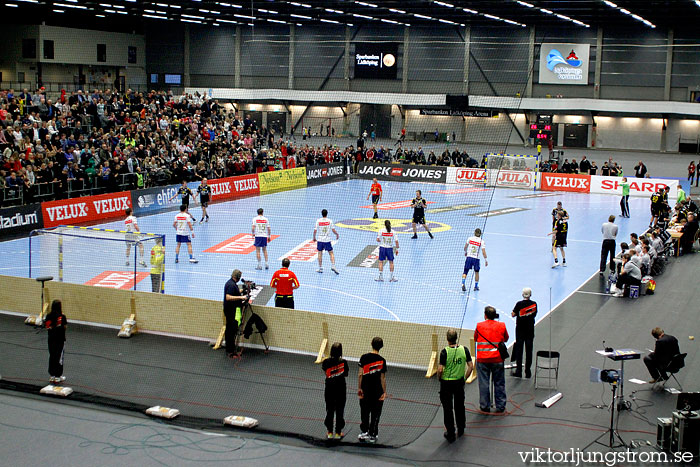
665,349
524,313
336,371
56,326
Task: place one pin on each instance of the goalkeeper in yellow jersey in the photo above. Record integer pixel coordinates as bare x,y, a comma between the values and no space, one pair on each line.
157,264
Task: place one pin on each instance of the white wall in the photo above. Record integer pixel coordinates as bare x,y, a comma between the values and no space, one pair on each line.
469,129
629,133
685,130
79,46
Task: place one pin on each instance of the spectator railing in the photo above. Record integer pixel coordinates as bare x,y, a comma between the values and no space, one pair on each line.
12,196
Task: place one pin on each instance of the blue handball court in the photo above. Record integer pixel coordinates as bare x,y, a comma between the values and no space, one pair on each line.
429,290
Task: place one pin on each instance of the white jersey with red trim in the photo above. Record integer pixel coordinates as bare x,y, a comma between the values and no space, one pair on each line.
181,223
260,226
386,239
131,224
324,227
475,245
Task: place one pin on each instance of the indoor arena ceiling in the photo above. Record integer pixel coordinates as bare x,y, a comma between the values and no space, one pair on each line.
132,14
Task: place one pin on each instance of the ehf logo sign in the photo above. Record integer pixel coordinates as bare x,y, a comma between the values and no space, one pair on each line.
564,63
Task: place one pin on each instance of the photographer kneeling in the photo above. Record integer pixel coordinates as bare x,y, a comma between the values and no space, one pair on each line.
233,310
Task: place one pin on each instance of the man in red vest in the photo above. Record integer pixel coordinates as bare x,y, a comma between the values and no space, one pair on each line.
284,282
489,364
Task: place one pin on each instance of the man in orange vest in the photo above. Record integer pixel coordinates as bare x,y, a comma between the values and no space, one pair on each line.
489,364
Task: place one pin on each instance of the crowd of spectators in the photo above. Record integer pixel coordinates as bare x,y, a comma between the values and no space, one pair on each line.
92,142
100,141
88,142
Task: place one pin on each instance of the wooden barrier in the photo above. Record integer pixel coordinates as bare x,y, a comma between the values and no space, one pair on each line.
294,330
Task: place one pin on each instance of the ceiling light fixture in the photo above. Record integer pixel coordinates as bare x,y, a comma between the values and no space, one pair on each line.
150,16
629,13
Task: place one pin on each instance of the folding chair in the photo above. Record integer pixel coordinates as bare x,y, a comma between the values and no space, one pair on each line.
673,367
548,362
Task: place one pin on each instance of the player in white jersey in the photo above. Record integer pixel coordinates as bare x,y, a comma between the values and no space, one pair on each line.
131,226
387,239
183,231
322,237
262,234
472,248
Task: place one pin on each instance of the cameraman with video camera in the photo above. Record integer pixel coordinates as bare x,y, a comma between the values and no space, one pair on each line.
234,301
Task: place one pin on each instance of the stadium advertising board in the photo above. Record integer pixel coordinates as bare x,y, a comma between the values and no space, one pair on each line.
20,220
281,180
158,198
376,60
154,199
400,172
638,186
465,175
325,173
504,178
86,209
514,178
233,187
565,182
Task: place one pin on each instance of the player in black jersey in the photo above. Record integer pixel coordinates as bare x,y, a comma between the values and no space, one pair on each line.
204,192
419,204
185,193
560,231
657,206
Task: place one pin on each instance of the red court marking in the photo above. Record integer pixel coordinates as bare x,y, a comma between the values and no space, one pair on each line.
117,279
241,244
305,251
459,190
395,204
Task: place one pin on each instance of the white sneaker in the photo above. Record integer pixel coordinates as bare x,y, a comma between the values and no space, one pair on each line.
363,436
373,439
379,279
60,379
334,270
393,279
320,270
127,263
555,265
258,267
563,265
267,266
193,260
142,263
618,294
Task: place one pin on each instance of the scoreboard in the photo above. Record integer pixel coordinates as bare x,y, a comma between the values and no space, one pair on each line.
540,130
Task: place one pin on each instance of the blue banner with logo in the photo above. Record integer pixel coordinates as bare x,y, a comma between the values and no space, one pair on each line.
152,200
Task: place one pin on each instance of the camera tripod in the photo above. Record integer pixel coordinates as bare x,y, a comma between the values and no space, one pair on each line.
615,440
239,334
